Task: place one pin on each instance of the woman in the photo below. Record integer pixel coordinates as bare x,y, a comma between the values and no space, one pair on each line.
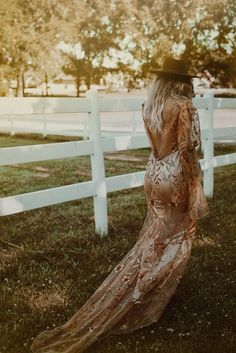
138,289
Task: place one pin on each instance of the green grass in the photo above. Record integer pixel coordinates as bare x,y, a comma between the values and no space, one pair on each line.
46,276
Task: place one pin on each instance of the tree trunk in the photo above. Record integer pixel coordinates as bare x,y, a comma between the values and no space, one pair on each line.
46,84
78,86
17,86
88,78
23,84
20,83
88,82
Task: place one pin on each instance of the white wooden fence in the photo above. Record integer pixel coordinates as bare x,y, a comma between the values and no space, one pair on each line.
95,146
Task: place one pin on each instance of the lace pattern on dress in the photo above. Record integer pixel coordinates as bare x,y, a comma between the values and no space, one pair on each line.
189,141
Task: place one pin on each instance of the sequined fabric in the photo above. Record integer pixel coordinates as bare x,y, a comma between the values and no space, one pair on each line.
140,286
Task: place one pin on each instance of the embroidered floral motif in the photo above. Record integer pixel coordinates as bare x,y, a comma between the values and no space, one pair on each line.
189,141
118,268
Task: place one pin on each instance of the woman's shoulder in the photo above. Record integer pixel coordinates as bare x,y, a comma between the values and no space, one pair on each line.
185,106
174,105
186,103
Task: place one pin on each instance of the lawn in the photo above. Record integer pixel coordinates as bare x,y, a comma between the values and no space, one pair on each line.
46,276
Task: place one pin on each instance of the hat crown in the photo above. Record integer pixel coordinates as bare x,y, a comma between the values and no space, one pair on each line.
174,65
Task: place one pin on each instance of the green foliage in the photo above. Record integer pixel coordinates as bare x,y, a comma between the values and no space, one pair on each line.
29,32
97,30
133,32
211,44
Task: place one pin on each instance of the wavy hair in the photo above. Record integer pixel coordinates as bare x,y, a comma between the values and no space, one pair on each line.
164,86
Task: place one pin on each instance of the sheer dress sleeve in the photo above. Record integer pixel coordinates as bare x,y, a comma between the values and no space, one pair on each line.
189,141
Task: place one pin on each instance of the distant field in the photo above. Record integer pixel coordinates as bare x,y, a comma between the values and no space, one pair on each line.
46,276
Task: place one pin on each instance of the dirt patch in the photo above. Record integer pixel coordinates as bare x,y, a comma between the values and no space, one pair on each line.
82,173
41,169
41,175
43,298
123,157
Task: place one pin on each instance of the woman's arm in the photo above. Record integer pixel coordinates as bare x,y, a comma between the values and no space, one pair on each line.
189,141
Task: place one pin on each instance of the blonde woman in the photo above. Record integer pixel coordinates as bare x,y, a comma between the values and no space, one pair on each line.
138,289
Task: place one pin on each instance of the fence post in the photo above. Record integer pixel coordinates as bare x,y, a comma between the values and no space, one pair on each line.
97,165
209,148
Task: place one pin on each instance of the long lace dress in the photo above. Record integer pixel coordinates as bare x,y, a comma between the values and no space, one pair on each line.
140,286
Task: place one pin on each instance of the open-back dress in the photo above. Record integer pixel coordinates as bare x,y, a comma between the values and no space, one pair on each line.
140,286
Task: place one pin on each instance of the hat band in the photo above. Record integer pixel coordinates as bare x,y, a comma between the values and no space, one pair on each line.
173,73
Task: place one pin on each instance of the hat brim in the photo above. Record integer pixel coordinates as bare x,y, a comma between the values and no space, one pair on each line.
180,74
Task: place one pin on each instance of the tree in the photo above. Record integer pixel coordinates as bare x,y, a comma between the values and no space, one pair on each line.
154,28
211,47
97,27
29,31
135,35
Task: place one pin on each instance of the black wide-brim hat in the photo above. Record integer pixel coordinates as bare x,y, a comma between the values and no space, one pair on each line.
174,67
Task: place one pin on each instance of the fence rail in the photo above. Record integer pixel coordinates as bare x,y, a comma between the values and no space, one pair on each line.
96,146
36,116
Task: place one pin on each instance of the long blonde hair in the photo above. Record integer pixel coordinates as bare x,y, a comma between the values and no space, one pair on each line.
161,88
